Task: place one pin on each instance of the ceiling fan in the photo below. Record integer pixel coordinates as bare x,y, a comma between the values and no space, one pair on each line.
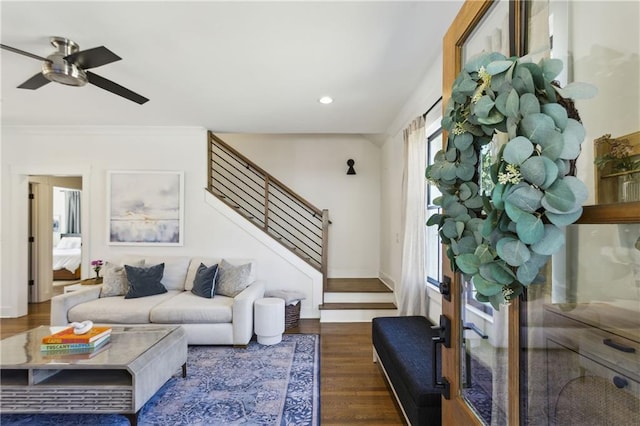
69,65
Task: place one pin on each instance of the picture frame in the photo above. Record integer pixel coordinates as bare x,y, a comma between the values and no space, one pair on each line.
145,208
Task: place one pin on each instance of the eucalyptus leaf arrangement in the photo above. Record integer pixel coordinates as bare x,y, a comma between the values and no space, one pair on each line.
503,238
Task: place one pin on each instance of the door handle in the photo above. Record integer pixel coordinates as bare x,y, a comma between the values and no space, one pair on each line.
444,338
618,346
471,326
445,288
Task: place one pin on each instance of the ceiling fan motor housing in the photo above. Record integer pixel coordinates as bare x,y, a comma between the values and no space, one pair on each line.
58,69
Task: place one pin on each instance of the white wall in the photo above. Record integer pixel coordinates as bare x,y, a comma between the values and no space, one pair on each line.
21,159
315,167
608,59
3,192
425,95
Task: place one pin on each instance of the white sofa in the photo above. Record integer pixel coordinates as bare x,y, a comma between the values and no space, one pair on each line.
219,320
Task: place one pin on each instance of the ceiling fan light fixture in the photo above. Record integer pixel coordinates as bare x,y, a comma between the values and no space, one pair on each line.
63,72
59,70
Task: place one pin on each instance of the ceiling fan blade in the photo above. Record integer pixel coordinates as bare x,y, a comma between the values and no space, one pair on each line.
92,58
22,52
112,87
34,82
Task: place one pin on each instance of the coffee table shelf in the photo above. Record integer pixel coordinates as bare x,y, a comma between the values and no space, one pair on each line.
119,379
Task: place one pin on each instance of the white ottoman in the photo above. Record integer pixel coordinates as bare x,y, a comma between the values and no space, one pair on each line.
269,320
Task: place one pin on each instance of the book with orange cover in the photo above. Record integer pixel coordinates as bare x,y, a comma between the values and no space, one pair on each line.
68,336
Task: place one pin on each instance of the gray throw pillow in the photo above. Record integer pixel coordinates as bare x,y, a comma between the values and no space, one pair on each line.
114,280
205,280
144,281
232,279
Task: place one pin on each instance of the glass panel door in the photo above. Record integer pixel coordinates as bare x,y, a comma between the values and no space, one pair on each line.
484,344
478,363
484,351
580,328
581,331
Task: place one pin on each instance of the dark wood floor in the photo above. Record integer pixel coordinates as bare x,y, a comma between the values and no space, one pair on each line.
365,285
353,390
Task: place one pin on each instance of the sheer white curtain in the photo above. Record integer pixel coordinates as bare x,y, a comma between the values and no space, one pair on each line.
411,292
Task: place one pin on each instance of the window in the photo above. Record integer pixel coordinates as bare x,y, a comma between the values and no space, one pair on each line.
433,261
471,302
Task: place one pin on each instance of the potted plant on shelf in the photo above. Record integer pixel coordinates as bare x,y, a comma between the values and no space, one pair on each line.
619,156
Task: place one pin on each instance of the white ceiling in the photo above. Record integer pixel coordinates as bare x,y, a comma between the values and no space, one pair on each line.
234,66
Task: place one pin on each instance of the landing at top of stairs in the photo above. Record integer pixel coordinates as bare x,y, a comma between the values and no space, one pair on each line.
356,285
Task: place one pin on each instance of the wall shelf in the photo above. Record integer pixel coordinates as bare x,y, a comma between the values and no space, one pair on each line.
626,172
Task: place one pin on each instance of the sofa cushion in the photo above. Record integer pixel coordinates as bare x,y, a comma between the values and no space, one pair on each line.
204,282
232,279
114,281
175,269
209,261
187,308
193,269
144,281
118,310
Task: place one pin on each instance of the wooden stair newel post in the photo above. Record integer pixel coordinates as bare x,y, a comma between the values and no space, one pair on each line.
325,247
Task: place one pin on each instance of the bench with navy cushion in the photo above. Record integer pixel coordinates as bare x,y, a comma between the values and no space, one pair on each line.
404,348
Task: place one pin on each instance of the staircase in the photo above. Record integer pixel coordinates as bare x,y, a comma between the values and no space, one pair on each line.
267,203
297,225
356,300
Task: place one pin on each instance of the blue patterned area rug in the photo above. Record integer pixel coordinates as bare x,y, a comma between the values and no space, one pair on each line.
480,394
259,385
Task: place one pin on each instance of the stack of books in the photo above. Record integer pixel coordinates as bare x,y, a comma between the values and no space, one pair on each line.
66,342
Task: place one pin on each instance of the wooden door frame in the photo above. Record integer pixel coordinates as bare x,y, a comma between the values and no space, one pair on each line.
456,410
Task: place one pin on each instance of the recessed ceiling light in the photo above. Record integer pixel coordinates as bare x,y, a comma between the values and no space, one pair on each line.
325,100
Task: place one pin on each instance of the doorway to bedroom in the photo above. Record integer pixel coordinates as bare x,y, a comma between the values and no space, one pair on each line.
55,234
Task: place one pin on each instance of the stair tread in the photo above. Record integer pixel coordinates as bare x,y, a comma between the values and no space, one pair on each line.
356,285
366,305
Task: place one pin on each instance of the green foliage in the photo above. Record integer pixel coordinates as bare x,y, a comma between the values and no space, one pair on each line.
502,239
518,150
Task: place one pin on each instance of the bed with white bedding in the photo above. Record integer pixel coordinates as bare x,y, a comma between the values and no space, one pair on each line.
67,256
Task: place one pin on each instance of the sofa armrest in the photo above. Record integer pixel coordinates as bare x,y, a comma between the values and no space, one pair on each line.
243,312
61,303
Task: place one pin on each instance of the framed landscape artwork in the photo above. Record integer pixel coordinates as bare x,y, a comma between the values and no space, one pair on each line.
145,208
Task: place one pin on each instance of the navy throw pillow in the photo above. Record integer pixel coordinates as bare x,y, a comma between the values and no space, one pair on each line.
144,281
204,282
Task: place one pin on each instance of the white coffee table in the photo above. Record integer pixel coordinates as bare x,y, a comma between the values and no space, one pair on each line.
121,378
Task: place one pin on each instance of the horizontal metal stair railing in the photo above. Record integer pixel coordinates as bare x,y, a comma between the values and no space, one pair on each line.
267,203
